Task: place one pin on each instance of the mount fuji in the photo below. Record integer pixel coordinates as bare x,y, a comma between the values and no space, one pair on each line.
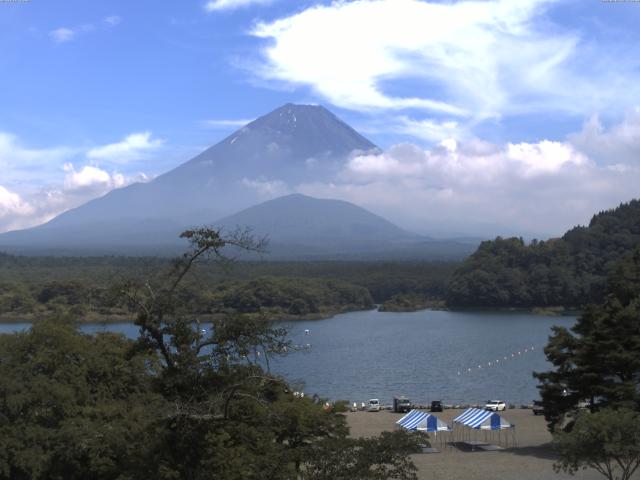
226,185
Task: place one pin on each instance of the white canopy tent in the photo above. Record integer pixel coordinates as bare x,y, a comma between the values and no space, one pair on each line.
469,424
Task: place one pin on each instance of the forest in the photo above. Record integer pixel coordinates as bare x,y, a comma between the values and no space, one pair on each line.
570,271
88,287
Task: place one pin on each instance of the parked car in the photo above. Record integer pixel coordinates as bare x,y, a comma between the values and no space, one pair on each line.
374,405
496,405
401,404
436,406
537,408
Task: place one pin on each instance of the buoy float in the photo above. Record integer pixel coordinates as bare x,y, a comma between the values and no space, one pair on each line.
497,361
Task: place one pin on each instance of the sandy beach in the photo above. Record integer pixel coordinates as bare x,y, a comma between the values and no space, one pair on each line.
532,458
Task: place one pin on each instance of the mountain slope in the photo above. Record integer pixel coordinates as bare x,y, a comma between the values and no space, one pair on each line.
294,143
319,225
569,271
306,228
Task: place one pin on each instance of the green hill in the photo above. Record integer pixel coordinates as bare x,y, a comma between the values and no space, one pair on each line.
569,271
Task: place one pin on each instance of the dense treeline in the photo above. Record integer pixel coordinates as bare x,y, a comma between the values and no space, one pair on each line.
569,271
268,297
410,302
591,394
87,287
301,296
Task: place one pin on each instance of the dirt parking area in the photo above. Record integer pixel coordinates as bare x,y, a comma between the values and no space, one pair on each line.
531,458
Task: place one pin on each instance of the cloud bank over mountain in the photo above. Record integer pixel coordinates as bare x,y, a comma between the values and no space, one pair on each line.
469,187
539,188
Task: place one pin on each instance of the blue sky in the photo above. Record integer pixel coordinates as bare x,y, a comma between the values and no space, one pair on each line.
462,95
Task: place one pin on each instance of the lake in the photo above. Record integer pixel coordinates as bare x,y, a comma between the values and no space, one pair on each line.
426,355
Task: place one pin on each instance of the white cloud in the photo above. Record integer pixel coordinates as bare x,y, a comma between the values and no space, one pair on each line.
474,59
132,147
66,34
61,35
42,204
620,143
19,163
39,184
217,5
112,20
266,188
429,129
544,157
225,123
467,161
13,210
12,203
476,187
91,178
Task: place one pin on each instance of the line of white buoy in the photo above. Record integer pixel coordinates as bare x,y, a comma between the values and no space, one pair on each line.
497,361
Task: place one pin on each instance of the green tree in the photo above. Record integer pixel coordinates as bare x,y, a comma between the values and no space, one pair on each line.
607,441
382,458
73,406
598,359
569,271
230,416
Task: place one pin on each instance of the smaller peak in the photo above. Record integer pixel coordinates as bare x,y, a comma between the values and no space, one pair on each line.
294,196
297,195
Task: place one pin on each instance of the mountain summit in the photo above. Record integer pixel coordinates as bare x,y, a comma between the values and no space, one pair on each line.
290,145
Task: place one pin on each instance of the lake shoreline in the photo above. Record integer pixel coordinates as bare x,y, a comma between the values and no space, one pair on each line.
207,317
284,317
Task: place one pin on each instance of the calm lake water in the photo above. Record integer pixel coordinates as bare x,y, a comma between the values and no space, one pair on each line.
424,355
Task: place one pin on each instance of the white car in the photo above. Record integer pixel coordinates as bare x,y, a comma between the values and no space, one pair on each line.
496,405
374,405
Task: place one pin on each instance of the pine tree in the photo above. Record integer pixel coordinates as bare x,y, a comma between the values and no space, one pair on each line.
598,360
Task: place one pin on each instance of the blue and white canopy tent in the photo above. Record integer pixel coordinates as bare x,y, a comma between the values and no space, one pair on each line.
490,423
424,422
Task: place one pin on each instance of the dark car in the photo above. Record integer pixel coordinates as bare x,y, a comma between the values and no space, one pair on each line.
538,409
436,406
401,404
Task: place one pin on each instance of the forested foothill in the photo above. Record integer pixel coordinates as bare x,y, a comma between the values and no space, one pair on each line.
570,271
86,287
